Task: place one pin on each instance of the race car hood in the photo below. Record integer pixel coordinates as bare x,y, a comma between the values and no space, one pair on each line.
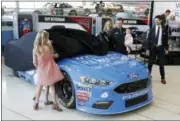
112,66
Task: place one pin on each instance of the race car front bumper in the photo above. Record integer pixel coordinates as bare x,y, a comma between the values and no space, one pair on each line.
115,103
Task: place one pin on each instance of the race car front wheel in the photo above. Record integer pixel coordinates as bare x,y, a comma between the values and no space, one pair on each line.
87,12
65,92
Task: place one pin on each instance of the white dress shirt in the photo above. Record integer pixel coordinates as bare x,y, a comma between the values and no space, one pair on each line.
160,36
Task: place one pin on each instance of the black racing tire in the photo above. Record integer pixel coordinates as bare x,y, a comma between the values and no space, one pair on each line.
15,73
87,12
65,92
73,13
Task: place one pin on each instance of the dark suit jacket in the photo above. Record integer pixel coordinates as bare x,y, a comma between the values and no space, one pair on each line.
116,38
152,36
163,19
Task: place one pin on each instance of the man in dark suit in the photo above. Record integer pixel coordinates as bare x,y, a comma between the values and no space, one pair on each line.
158,46
117,37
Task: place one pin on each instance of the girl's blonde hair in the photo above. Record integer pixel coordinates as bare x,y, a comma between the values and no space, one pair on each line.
108,26
41,40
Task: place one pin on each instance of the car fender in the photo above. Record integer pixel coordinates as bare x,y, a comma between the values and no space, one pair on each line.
71,71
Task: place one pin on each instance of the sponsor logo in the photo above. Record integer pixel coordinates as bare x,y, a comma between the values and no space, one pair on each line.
81,103
124,58
132,64
130,22
82,98
54,19
105,95
130,96
83,95
82,88
84,85
51,19
133,75
83,92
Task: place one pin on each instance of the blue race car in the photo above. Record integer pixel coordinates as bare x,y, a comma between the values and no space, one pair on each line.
108,84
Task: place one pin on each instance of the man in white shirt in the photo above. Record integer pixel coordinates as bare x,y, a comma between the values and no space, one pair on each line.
158,46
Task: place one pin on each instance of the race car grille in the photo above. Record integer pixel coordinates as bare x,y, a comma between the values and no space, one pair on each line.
102,104
132,86
135,101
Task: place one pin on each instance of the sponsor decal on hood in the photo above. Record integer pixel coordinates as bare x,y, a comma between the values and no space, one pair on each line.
130,96
133,75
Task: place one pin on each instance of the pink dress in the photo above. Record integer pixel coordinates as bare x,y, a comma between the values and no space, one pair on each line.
47,71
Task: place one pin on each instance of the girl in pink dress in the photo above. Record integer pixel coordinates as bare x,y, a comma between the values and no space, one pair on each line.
47,71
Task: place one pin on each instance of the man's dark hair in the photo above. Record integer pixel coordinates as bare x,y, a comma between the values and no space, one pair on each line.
159,17
120,19
168,11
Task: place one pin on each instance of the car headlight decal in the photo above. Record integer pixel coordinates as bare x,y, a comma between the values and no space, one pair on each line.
94,81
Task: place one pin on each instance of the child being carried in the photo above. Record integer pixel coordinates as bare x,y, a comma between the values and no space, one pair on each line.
128,40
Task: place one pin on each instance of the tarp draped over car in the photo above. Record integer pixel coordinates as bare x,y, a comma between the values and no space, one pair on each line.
66,42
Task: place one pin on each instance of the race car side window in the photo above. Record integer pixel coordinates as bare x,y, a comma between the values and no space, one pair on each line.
65,5
57,5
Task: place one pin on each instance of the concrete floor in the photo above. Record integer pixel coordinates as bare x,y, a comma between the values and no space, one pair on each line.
17,101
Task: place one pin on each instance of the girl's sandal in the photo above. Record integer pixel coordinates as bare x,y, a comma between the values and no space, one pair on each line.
36,106
56,107
48,103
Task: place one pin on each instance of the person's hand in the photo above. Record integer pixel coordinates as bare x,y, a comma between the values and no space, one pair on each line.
51,41
166,52
56,55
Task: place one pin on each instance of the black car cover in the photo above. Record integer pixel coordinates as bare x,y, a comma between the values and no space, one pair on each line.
90,43
66,42
18,53
104,41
